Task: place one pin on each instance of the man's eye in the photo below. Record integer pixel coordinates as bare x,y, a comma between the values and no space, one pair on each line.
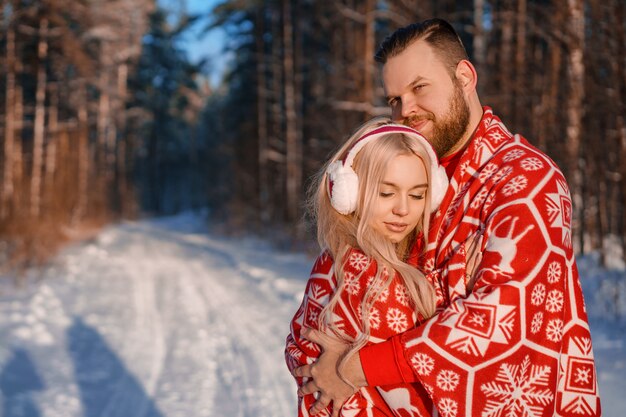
393,102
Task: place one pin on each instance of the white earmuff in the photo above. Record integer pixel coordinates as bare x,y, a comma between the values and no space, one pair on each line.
438,186
343,183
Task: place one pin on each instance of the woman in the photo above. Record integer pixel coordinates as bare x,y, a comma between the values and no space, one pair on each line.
371,202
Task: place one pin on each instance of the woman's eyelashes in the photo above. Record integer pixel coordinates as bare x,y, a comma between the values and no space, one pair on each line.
419,196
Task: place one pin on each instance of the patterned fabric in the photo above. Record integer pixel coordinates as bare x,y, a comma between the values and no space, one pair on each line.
518,342
391,314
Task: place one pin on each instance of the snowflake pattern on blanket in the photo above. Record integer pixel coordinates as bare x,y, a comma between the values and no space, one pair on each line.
391,314
518,343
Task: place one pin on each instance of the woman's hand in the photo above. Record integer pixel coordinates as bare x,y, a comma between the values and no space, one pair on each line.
473,256
326,378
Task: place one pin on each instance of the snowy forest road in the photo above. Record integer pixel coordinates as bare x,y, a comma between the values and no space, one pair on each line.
153,319
158,318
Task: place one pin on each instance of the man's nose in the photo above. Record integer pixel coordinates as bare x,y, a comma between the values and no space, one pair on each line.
408,108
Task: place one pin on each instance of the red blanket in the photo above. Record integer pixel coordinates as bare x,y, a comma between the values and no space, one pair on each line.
518,343
514,341
390,315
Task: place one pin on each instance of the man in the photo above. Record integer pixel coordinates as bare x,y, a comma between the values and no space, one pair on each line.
513,339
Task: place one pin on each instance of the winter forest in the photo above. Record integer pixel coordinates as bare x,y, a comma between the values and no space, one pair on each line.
154,242
104,117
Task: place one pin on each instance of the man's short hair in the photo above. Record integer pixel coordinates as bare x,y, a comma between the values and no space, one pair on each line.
438,33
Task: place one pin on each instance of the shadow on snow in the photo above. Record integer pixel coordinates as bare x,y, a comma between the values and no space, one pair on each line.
19,381
106,387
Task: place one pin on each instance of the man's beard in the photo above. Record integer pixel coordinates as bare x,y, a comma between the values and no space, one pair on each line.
448,131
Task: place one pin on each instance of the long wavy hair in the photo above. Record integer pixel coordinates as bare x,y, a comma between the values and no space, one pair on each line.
338,233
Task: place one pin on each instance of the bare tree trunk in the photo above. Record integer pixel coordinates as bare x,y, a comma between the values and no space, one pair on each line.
479,44
351,51
9,125
294,160
301,70
66,172
538,92
620,58
368,52
507,25
599,165
51,146
103,127
40,115
276,144
336,88
550,96
574,106
521,75
18,154
264,193
122,149
83,155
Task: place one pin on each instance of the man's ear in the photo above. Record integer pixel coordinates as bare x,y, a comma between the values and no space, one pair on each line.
466,74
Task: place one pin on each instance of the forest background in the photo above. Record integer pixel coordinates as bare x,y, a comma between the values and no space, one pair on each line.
104,116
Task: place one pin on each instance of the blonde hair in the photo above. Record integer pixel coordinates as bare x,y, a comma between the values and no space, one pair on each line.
338,233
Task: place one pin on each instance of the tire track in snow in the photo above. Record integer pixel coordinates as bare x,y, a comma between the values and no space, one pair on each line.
250,341
149,322
244,314
247,323
159,322
139,340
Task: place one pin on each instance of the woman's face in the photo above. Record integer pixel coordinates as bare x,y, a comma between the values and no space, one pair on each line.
399,205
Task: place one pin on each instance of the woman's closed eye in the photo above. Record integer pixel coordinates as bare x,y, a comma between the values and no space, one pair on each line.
388,194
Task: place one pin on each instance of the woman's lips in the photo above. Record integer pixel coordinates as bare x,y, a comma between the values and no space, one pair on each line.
396,227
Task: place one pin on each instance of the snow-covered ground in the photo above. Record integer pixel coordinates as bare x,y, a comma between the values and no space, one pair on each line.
159,318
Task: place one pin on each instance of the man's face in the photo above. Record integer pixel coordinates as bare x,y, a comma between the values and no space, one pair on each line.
422,95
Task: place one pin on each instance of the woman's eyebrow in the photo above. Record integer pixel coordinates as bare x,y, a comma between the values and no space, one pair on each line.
391,184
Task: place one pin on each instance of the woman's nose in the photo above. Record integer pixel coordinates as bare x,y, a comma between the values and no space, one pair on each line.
401,207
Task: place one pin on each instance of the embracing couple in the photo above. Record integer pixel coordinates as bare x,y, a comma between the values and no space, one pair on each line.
447,283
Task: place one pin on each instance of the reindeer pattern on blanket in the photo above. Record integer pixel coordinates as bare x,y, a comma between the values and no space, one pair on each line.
513,340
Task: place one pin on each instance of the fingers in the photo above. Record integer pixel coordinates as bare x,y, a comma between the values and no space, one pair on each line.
474,244
316,336
322,402
473,253
330,386
473,259
308,388
303,371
